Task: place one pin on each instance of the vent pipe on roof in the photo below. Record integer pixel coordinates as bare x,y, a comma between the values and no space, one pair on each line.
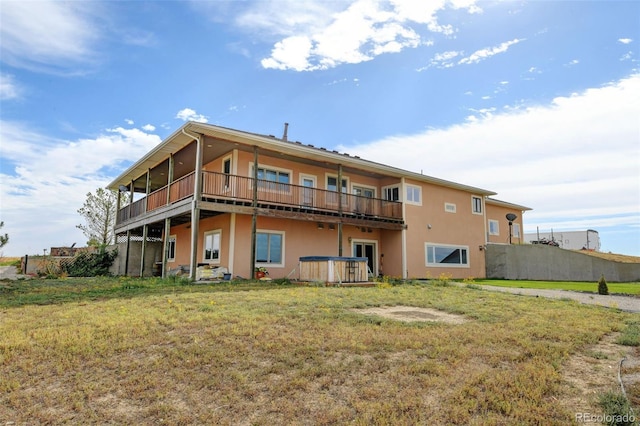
284,135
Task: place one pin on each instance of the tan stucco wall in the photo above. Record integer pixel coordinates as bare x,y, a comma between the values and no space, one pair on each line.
498,213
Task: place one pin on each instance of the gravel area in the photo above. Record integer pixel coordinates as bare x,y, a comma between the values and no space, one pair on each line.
624,303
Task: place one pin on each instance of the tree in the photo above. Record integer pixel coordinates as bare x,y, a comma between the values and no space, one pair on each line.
4,239
99,212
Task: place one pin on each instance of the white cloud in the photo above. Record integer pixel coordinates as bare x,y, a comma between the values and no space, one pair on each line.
9,89
576,159
41,175
482,54
129,121
625,40
321,35
188,114
148,128
49,36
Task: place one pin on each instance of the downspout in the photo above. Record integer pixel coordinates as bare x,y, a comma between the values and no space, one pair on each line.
405,272
195,205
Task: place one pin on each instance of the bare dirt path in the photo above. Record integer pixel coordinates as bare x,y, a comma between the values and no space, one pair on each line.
624,303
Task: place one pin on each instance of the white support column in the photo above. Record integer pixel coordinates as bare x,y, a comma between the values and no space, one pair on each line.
195,209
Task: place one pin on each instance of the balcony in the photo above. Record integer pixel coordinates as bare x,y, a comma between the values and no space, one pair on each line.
220,189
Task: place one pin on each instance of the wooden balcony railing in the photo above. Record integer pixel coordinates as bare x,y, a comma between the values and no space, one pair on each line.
221,187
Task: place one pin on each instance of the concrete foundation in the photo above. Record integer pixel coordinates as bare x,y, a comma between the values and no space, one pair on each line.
548,263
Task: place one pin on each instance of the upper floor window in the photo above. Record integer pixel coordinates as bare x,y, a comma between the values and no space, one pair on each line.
476,205
391,193
413,194
516,230
332,184
449,207
273,179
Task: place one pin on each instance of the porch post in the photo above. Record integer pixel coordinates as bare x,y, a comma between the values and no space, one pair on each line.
126,257
195,209
254,218
145,227
340,209
170,178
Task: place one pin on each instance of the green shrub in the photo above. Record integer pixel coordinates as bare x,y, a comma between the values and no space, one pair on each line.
617,409
602,286
630,335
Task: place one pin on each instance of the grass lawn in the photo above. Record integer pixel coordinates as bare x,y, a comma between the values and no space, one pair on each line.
591,287
130,351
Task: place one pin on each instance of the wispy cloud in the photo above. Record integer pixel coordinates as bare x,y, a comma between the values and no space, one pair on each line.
482,54
49,36
9,89
625,40
542,156
188,114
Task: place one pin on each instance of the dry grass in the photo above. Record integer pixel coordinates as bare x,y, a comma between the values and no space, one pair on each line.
293,355
612,256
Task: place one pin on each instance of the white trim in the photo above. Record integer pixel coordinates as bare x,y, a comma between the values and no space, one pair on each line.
283,254
446,265
303,176
450,207
376,254
204,246
408,186
400,187
497,224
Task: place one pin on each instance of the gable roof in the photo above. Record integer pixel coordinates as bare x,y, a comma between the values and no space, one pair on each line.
185,135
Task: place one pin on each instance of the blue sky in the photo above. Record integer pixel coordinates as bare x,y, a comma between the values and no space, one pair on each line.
538,101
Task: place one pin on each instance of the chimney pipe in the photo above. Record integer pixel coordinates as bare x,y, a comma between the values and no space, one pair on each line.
286,128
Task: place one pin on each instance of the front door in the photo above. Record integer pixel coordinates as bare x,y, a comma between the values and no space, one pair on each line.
368,250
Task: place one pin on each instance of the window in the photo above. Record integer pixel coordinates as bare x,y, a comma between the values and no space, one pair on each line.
212,246
476,205
270,247
494,227
272,179
445,255
171,248
414,194
449,207
332,184
391,193
516,230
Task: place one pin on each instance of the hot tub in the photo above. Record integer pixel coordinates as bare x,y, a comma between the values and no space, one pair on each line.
334,269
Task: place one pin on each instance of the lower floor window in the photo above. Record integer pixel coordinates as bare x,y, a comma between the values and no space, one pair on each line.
269,247
446,255
171,248
212,246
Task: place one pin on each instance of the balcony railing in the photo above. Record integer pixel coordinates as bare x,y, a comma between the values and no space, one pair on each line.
221,187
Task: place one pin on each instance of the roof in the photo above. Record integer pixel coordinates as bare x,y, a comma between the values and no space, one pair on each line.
187,133
505,204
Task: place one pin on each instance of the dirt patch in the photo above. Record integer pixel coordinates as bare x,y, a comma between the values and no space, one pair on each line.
612,256
411,313
594,371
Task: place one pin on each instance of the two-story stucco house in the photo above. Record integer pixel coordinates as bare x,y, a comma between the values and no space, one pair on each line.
241,200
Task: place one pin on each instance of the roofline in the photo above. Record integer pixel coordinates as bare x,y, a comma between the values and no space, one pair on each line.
271,142
506,204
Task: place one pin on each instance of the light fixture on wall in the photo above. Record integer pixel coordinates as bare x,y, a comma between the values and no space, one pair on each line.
123,188
332,226
320,225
